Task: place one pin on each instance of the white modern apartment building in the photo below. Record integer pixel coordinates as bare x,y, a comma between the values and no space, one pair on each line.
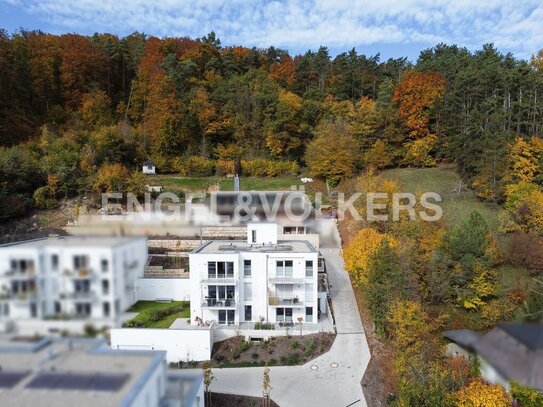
259,280
69,279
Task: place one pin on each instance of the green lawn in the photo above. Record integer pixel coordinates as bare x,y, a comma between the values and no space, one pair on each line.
146,309
172,182
443,180
261,184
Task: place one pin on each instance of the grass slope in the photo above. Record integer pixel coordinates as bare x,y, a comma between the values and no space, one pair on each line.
443,180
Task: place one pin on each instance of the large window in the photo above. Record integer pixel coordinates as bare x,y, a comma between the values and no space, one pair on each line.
283,268
83,309
226,317
221,292
283,315
309,268
309,314
220,269
81,262
248,313
82,286
246,268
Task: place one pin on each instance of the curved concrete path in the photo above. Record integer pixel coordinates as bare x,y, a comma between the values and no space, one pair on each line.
333,379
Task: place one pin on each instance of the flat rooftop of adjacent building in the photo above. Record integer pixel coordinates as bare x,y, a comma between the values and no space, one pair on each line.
241,246
71,372
73,241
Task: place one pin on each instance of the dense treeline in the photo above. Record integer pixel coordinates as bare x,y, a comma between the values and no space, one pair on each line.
72,108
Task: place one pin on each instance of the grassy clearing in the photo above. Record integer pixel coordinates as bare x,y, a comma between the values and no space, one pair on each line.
146,310
443,180
261,184
172,182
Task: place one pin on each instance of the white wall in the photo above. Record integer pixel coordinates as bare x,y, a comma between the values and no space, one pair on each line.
154,388
150,289
191,344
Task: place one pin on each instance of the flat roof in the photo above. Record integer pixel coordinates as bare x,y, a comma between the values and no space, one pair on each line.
73,372
241,246
74,241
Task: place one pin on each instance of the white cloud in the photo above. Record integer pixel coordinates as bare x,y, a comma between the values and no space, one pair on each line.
300,25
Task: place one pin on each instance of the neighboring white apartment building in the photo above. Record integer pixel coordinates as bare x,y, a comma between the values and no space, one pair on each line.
85,372
262,279
69,279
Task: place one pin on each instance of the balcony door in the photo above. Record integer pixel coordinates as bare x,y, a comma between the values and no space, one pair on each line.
226,317
283,315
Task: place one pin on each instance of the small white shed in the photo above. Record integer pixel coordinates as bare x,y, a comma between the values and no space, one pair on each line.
148,167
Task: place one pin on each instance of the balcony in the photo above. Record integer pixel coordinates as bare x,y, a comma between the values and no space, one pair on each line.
287,280
284,301
215,303
19,296
79,295
218,280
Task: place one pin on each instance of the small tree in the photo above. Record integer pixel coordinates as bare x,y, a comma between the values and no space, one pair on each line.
266,387
208,378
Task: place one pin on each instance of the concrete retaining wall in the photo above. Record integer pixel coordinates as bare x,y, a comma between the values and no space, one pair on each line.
150,289
191,344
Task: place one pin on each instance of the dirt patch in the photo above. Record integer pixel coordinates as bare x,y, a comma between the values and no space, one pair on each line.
280,350
229,400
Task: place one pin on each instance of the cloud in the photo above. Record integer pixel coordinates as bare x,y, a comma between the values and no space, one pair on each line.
300,25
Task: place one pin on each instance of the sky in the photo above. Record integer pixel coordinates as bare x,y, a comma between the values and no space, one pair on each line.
395,28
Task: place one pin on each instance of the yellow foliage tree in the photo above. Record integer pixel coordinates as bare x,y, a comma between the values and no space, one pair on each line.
407,324
111,178
481,394
524,159
359,252
378,156
417,152
482,287
523,209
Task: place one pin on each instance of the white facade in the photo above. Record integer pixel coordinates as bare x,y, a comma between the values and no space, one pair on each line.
260,280
70,278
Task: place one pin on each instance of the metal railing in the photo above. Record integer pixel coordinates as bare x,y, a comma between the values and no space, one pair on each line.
218,303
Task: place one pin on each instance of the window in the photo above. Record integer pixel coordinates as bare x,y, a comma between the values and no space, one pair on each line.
226,317
221,292
58,307
309,314
283,268
106,309
105,265
81,286
253,236
81,262
283,315
246,268
54,261
212,269
33,310
289,230
6,309
83,309
105,287
247,291
309,268
220,269
248,313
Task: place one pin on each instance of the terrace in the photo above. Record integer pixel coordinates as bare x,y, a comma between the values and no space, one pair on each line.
153,314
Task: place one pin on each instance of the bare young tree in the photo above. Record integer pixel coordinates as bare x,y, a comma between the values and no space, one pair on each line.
208,378
266,387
